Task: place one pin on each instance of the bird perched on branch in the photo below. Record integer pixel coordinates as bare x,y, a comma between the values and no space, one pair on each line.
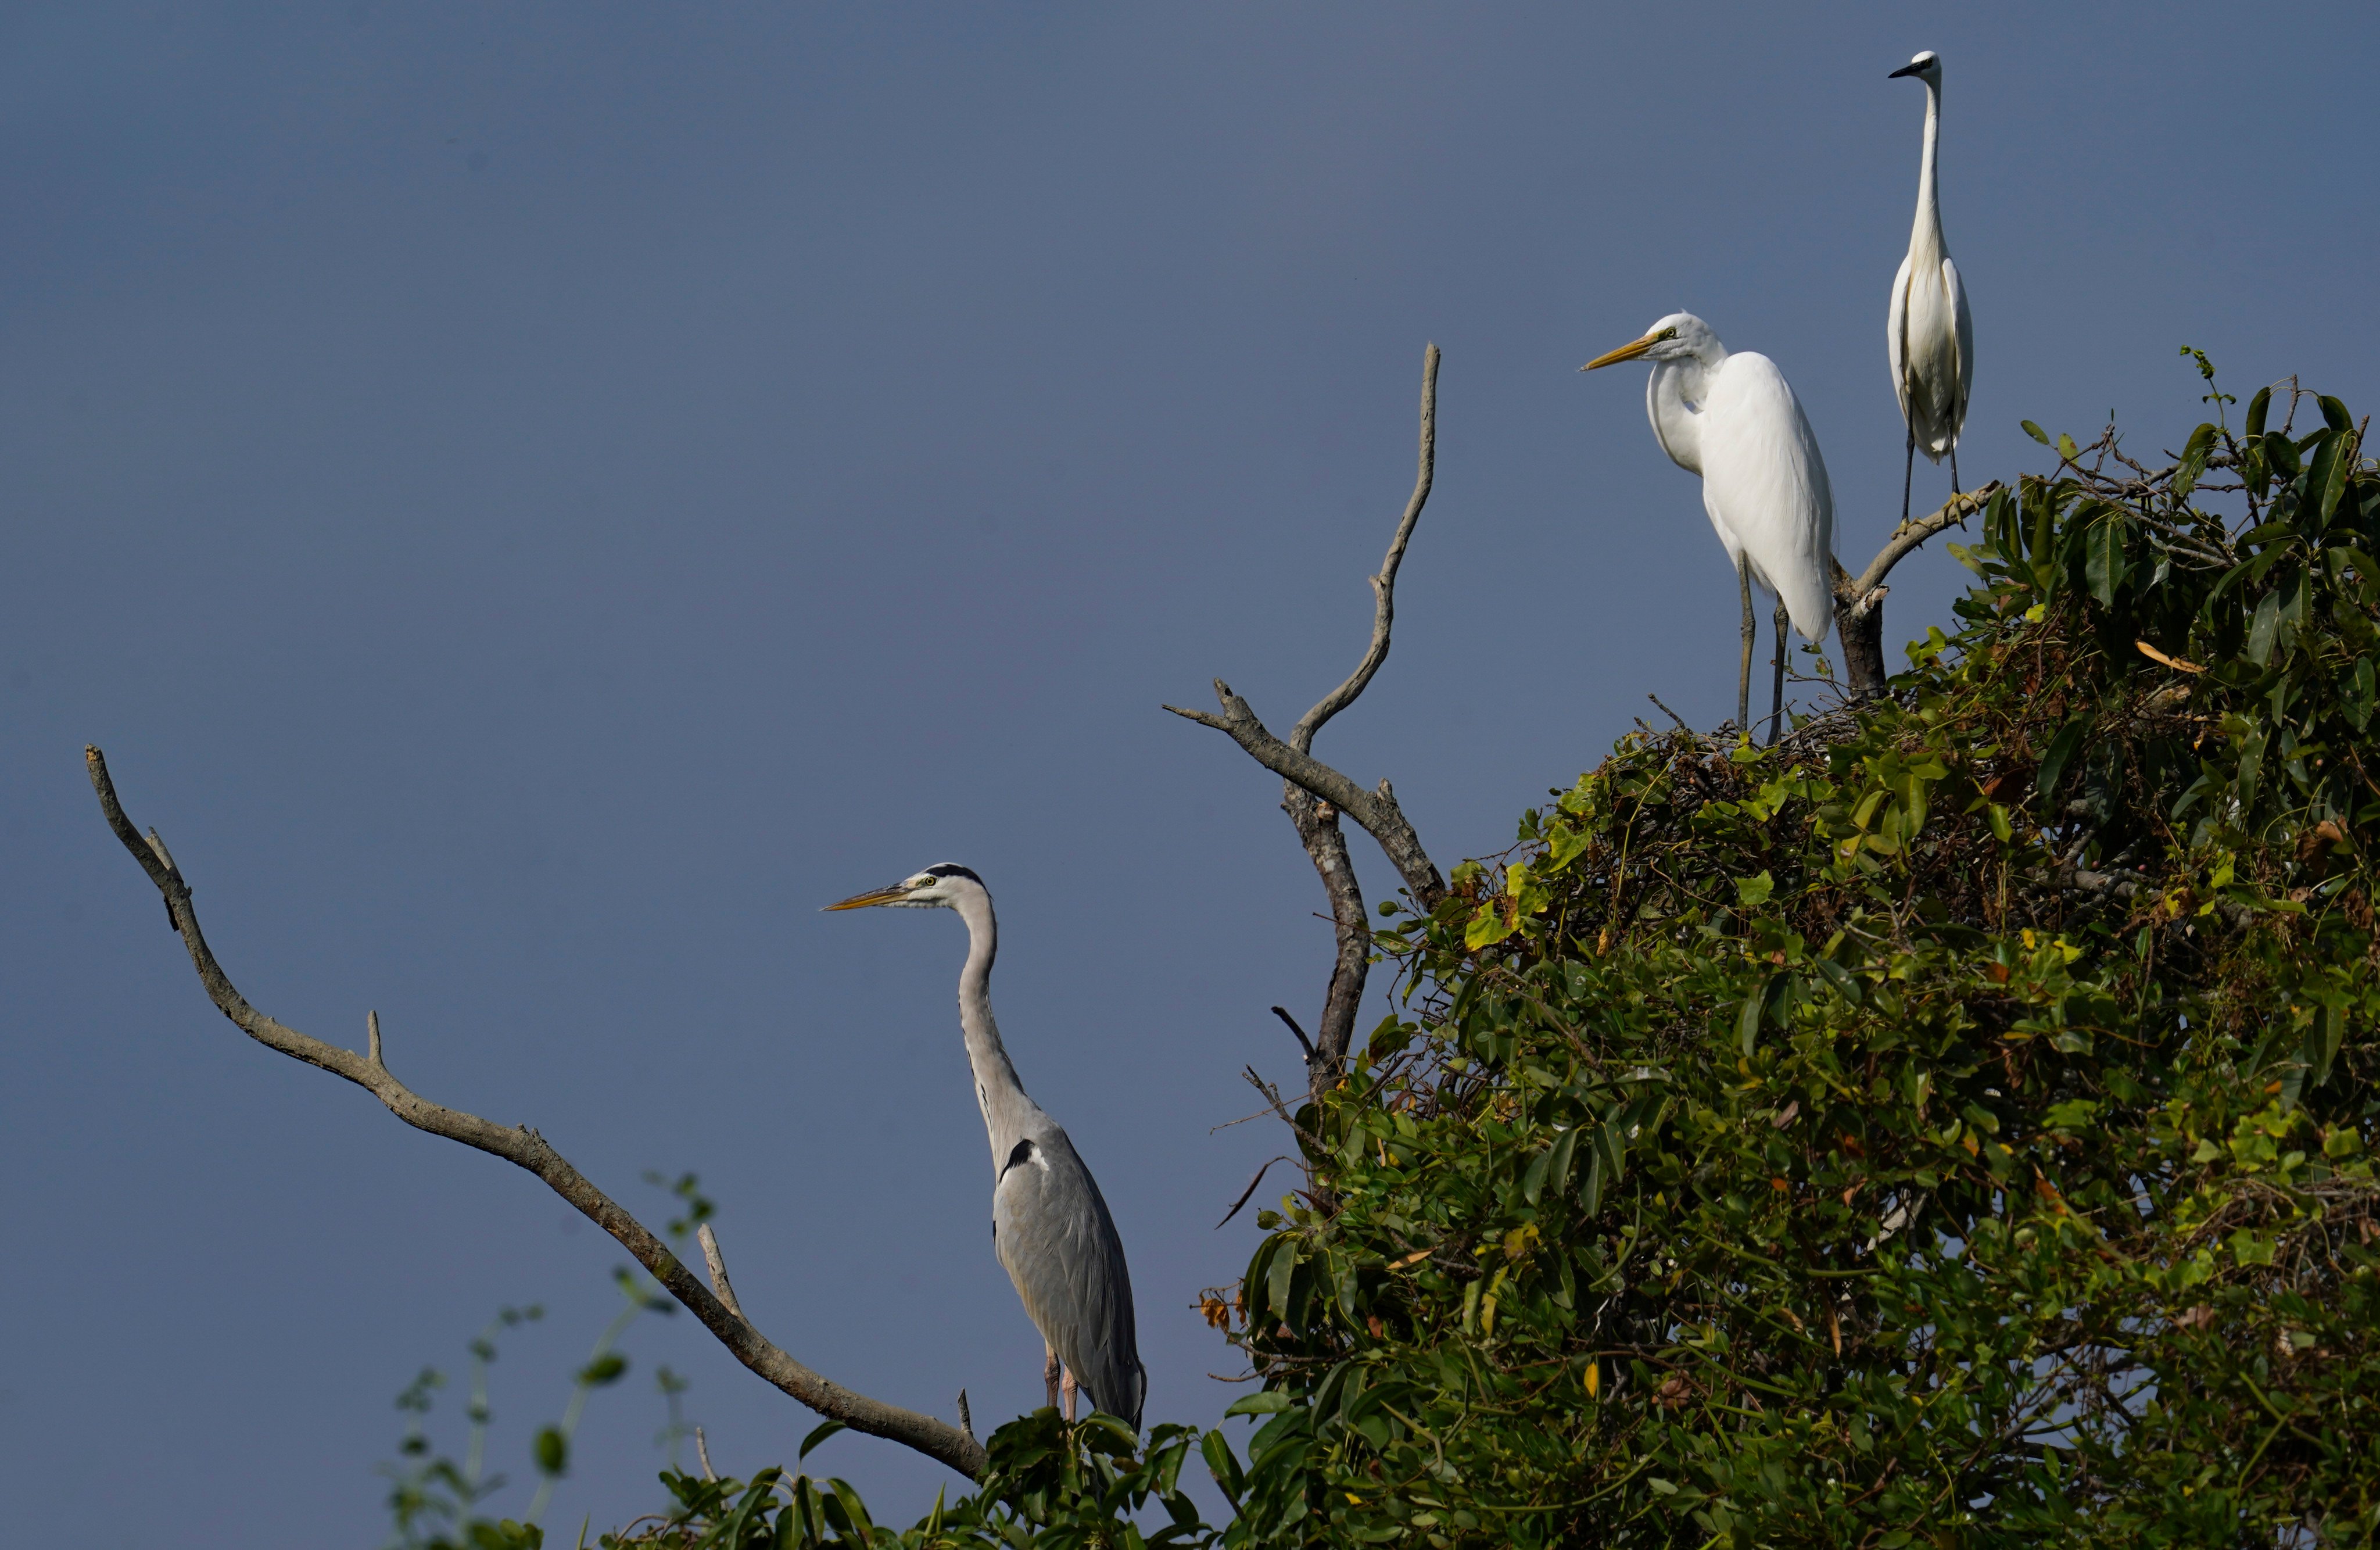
1050,1224
1732,418
1927,332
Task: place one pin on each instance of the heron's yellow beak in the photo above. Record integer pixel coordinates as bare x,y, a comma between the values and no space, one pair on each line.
1629,352
873,896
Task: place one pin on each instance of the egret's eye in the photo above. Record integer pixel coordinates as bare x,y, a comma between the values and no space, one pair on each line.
1669,333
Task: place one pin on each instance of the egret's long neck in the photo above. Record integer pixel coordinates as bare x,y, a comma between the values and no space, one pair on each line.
1673,401
996,1090
1926,237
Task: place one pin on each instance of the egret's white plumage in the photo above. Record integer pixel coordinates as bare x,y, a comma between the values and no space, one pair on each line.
1732,418
1928,334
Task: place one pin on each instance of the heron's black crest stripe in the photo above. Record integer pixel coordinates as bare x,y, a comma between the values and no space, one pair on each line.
1021,1152
948,869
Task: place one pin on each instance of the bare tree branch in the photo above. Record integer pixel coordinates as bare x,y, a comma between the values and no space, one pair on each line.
525,1148
1859,601
1377,810
1384,585
1314,810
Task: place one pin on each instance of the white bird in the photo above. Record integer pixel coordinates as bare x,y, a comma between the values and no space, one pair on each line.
1050,1224
1733,420
1926,330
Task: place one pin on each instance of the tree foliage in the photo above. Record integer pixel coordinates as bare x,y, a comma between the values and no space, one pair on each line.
1950,1127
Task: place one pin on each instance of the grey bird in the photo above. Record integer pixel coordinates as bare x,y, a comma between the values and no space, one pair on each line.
1049,1223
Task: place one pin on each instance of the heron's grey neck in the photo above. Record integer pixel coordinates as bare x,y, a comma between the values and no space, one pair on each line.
1008,1114
1926,237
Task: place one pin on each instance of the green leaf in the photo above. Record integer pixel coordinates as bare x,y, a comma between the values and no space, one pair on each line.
1998,817
603,1369
2066,448
1534,1179
2321,1041
1840,978
2335,415
552,1450
2036,432
1611,1142
2103,556
1273,1401
2256,407
2053,764
817,1434
2261,633
2195,454
1224,1467
1747,1020
1558,1170
1277,1279
1752,892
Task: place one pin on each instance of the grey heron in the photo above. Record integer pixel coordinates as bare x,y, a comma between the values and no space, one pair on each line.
1050,1226
1929,337
1732,418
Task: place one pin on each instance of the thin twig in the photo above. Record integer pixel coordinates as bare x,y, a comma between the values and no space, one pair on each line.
702,1451
1272,1096
525,1148
718,1264
1248,1192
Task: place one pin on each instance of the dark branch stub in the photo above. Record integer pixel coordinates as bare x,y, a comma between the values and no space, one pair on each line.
525,1148
1859,601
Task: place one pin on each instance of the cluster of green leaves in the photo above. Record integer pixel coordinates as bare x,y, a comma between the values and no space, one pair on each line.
1047,1486
1950,1127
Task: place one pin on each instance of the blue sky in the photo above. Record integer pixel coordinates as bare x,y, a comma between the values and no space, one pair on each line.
534,500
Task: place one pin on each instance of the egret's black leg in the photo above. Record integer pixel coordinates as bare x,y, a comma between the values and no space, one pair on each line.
1954,472
1908,468
1750,642
1777,691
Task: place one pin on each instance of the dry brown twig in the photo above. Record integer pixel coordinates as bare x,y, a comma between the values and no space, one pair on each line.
1314,794
714,1305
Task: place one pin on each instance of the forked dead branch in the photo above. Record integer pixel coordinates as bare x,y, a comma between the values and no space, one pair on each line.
1314,794
714,1304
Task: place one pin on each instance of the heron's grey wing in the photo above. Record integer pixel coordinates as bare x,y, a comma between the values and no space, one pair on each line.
1060,1247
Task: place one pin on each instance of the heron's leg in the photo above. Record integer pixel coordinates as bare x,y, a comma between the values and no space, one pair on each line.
1049,1371
1750,640
1954,471
1908,467
1776,692
1072,1389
